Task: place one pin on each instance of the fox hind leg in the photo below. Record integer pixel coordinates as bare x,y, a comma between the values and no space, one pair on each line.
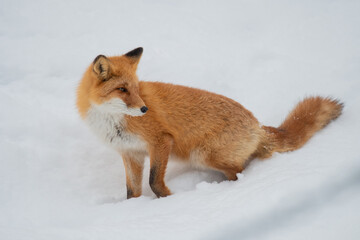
228,168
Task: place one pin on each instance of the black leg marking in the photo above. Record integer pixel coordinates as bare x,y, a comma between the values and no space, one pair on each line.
129,192
153,172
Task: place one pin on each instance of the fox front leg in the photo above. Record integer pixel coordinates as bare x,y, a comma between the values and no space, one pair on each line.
159,155
134,165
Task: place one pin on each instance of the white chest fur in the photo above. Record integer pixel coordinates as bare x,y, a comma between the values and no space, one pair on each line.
111,127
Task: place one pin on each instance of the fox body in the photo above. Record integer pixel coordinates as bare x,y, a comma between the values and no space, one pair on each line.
160,120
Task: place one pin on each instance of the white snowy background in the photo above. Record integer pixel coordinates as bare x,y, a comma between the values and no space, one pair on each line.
58,181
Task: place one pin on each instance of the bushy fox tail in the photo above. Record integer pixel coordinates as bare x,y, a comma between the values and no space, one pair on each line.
309,116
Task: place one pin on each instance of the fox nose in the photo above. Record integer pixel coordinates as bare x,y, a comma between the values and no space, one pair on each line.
144,109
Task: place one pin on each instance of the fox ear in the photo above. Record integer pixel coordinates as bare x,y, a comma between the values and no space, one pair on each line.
101,67
135,55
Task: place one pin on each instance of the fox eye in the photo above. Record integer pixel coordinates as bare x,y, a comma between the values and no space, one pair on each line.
123,89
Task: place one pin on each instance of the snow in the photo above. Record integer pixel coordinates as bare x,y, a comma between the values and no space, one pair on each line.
58,181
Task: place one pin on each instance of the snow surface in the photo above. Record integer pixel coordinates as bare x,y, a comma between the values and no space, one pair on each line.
58,181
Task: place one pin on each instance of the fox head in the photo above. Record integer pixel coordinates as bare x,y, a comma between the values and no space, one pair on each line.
112,84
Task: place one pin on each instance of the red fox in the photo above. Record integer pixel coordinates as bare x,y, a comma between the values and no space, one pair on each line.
160,120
